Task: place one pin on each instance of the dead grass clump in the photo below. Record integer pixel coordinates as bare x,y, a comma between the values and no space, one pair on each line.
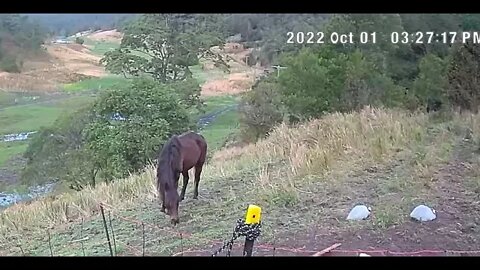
71,206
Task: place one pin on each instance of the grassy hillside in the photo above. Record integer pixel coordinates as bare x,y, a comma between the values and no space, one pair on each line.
305,178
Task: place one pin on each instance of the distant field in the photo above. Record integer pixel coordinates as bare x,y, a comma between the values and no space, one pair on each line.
218,102
26,118
95,84
203,76
100,47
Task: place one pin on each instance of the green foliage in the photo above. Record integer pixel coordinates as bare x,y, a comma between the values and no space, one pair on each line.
260,110
314,84
58,153
463,75
189,92
165,45
268,32
311,84
365,85
152,113
431,81
92,145
79,40
96,84
470,22
343,77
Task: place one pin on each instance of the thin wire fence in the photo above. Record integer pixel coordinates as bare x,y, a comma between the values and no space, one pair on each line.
137,246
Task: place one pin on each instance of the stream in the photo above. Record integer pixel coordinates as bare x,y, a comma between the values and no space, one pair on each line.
8,199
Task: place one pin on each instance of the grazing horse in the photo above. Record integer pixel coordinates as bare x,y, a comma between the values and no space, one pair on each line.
179,155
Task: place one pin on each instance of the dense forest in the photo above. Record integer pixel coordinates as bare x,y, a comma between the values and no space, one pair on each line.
158,50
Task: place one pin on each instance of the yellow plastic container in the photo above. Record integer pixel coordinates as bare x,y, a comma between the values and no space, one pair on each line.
254,214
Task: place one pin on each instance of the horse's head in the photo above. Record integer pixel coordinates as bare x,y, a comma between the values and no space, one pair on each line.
172,201
169,164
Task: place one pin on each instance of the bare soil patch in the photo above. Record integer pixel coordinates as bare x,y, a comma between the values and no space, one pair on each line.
110,36
241,78
62,63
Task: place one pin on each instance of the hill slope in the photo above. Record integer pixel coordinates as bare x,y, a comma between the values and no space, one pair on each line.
305,178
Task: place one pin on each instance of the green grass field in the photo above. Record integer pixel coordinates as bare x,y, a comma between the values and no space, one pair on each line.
26,118
6,98
95,84
220,129
215,103
203,76
100,47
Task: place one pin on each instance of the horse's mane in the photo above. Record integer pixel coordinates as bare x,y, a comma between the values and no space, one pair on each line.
165,157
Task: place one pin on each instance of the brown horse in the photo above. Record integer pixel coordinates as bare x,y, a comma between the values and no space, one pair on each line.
179,155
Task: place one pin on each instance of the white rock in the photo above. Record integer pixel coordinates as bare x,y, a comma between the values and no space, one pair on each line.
363,255
359,212
423,213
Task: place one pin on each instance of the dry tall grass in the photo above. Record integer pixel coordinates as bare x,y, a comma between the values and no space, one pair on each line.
313,148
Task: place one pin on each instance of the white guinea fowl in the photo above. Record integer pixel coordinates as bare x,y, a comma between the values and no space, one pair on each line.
423,213
359,212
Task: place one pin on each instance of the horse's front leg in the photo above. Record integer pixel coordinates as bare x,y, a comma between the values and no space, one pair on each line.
185,183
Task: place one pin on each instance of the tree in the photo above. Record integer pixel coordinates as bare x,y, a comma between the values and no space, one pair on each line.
312,84
165,45
131,124
464,77
431,82
79,40
260,110
365,85
58,153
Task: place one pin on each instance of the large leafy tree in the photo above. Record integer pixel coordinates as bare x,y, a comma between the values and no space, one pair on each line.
130,125
165,45
464,77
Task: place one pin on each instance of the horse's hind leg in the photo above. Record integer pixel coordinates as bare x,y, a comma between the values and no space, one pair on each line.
185,183
198,172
